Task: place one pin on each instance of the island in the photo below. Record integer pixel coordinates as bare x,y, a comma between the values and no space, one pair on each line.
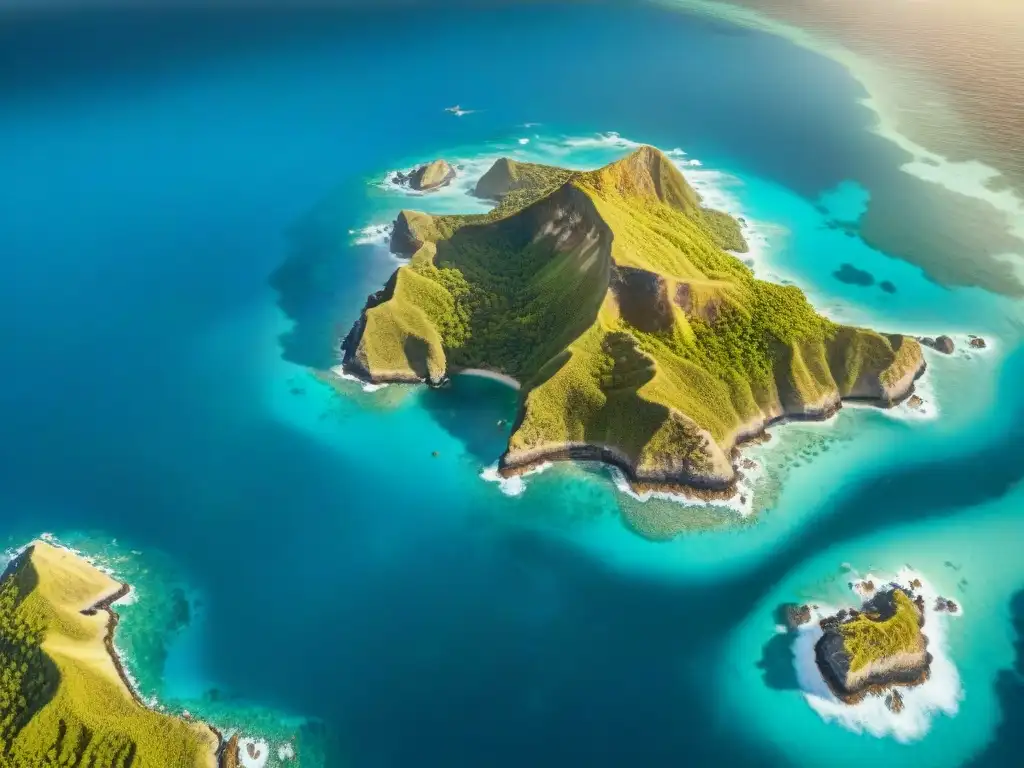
65,698
426,177
873,650
637,338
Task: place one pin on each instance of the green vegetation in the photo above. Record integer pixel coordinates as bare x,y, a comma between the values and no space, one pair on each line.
725,230
609,295
62,701
867,639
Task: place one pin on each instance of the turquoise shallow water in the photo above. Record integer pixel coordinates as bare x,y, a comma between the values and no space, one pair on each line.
298,553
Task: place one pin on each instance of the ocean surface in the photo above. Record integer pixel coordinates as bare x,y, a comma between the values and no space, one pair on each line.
193,208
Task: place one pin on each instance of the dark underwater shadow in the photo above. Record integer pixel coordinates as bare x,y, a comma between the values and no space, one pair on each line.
776,663
1005,748
310,290
475,411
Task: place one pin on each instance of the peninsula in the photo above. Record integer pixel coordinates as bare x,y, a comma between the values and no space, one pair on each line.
874,650
637,338
64,697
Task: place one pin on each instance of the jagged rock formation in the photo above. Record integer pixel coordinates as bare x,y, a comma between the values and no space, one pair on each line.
796,615
638,340
426,177
870,651
942,344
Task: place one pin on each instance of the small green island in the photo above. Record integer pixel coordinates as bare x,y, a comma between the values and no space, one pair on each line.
875,650
611,297
65,699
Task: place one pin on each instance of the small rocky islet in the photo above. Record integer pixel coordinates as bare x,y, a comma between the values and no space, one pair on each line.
875,650
426,177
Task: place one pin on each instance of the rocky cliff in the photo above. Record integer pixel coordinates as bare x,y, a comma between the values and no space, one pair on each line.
875,649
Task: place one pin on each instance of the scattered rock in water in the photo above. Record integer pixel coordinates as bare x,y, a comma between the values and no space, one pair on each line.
251,749
888,286
915,402
298,391
748,464
793,615
945,605
894,701
915,584
942,344
435,454
978,343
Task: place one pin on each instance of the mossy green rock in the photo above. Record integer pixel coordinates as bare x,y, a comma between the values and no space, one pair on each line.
870,651
637,338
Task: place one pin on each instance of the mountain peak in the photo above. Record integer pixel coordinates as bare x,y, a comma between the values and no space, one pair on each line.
647,172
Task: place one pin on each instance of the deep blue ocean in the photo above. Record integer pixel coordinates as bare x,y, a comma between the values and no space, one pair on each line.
186,225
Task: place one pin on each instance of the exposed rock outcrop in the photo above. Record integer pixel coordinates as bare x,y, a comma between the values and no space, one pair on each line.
229,755
431,176
942,344
944,604
873,650
796,615
894,701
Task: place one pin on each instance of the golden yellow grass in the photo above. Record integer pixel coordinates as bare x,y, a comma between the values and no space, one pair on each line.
80,712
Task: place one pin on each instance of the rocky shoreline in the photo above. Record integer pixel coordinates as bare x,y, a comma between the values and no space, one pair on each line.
697,486
697,464
907,666
694,485
225,755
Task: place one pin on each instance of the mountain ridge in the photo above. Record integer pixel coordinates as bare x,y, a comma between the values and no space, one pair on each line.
638,339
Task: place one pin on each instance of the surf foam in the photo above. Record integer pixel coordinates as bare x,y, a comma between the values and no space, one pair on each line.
512,486
939,695
366,385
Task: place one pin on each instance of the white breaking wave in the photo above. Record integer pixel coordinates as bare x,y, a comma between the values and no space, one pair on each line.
741,502
940,694
611,139
511,486
375,234
366,385
261,750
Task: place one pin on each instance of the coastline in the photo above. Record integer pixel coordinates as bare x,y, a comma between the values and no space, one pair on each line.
938,691
218,756
695,487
